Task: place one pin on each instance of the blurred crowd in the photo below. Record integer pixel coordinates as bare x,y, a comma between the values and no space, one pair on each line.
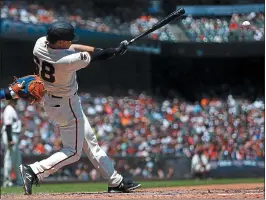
121,20
145,126
141,125
134,20
225,29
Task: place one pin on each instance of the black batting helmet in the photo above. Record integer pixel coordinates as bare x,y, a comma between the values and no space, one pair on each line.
60,30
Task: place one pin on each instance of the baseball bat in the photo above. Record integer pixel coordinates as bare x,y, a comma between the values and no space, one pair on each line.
174,15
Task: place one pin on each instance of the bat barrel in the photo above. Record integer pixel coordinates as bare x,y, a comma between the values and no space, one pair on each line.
180,11
171,17
176,14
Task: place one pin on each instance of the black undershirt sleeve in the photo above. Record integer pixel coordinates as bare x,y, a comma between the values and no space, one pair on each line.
102,54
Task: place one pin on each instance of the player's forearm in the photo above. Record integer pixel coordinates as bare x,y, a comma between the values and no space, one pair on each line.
80,47
103,54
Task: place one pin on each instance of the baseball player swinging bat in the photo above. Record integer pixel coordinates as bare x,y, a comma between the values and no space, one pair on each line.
58,60
174,15
57,64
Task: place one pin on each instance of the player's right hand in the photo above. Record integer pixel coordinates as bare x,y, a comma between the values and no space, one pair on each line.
122,48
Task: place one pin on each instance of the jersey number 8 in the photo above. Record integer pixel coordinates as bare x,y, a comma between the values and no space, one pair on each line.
47,70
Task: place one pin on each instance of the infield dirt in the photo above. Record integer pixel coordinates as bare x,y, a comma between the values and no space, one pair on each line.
228,191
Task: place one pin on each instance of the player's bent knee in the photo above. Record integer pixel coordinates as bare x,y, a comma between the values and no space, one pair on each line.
72,154
76,157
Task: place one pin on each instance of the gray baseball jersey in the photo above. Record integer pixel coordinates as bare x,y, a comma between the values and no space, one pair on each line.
57,67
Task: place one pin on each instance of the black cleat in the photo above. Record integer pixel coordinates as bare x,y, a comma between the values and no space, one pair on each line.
124,186
28,178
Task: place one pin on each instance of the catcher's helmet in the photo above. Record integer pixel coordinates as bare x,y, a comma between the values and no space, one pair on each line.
60,30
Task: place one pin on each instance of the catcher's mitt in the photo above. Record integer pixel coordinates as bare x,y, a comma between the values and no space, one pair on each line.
29,87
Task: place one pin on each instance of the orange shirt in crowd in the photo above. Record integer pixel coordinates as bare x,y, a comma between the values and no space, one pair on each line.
39,148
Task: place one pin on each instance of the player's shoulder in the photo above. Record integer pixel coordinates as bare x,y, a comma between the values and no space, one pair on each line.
41,40
40,44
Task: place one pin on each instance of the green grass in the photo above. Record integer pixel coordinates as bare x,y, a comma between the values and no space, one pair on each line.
97,187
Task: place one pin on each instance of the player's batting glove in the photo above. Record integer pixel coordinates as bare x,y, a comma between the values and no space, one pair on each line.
122,48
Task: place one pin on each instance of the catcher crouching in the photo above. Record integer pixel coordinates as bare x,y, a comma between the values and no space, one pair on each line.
31,88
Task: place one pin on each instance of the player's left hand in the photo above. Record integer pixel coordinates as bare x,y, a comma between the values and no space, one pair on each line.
122,48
